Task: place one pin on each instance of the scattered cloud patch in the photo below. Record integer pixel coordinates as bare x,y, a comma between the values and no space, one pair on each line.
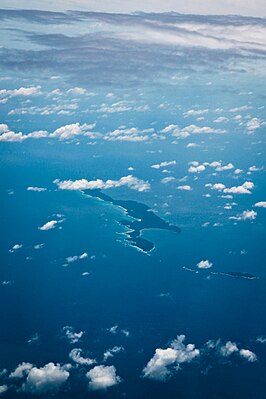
72,336
163,164
45,379
50,225
15,248
102,377
261,204
246,215
71,259
37,189
76,356
204,264
184,188
111,352
162,365
130,181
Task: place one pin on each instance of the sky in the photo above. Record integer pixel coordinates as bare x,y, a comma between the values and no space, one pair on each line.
240,7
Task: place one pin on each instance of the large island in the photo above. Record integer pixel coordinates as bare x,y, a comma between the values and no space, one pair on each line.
143,218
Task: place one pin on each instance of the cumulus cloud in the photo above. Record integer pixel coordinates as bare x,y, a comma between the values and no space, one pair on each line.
21,92
248,355
230,348
72,336
130,181
102,377
166,180
111,352
76,355
254,124
163,164
15,248
196,169
62,133
204,264
21,370
246,215
195,112
184,188
37,189
159,366
129,134
10,136
71,259
76,91
178,132
45,379
221,168
261,204
50,225
245,188
3,389
69,131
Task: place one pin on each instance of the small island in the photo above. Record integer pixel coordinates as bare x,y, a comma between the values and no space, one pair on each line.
143,218
239,275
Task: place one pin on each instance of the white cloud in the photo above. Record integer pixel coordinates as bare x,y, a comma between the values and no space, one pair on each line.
73,130
192,145
261,204
22,370
228,349
15,248
45,379
50,225
76,355
21,92
248,355
37,189
128,134
112,351
184,188
261,340
102,377
3,389
163,164
130,181
204,264
3,128
254,124
246,215
71,259
195,112
254,168
243,189
158,368
72,336
178,132
10,136
196,169
221,119
166,180
76,91
224,167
